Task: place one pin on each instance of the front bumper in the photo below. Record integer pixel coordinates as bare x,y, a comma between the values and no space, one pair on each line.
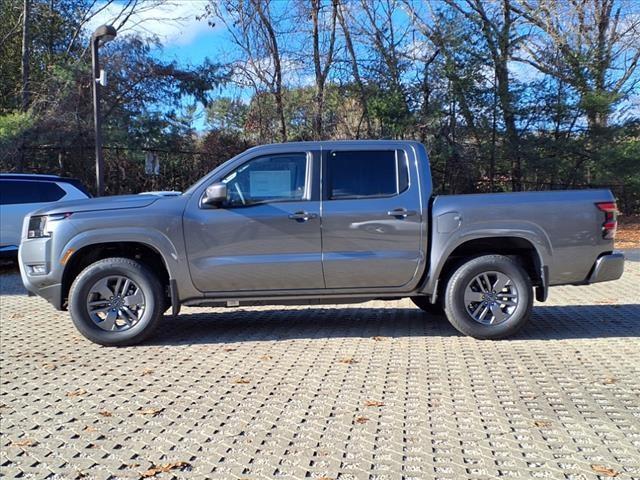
47,286
607,267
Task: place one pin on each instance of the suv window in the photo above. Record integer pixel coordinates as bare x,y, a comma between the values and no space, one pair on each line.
21,191
367,173
272,178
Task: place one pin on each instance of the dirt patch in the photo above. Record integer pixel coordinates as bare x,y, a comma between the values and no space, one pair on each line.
628,235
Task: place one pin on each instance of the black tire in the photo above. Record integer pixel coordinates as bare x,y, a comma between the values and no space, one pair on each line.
456,309
424,304
133,270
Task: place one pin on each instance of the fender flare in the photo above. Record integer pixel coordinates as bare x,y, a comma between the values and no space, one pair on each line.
150,238
442,248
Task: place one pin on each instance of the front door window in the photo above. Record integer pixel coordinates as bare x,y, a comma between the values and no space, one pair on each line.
269,179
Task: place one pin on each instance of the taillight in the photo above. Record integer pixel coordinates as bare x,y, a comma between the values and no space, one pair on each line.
610,224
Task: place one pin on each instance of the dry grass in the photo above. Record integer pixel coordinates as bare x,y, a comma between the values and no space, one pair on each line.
628,235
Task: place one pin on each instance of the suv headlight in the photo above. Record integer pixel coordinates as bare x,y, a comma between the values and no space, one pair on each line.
39,224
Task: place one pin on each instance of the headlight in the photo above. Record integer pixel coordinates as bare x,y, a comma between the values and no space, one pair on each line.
38,224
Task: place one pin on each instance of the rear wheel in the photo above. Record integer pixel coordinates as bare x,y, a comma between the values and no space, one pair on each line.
116,302
489,297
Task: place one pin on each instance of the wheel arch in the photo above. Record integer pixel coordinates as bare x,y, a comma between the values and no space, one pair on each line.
527,250
89,253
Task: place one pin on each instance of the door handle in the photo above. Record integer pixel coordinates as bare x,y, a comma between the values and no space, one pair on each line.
302,216
401,212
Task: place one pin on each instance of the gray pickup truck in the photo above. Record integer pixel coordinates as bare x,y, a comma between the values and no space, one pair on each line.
315,223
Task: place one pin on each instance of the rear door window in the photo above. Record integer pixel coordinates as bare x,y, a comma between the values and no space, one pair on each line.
14,192
366,173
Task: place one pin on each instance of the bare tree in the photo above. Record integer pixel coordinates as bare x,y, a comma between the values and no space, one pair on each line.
355,70
252,30
591,45
322,71
497,28
387,38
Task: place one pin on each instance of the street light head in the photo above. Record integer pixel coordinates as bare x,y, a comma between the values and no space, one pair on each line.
105,33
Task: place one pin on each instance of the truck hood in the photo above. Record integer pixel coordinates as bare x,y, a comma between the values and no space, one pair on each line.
116,202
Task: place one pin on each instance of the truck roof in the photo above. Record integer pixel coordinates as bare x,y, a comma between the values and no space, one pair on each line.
332,143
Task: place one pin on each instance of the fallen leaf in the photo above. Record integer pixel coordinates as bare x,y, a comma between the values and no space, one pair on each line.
607,301
610,381
27,442
542,423
147,371
266,357
242,381
373,403
150,411
105,413
89,428
606,471
378,339
167,467
361,420
49,366
76,393
348,360
229,349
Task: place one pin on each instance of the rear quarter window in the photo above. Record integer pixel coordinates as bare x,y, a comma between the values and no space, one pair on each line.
13,192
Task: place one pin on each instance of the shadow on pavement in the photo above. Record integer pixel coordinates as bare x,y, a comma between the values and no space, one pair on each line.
10,281
547,323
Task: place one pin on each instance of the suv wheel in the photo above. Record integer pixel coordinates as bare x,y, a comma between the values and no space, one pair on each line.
116,302
489,297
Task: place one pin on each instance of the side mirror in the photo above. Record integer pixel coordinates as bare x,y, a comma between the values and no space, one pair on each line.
215,195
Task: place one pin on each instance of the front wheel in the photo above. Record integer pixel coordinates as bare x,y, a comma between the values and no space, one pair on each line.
489,297
116,302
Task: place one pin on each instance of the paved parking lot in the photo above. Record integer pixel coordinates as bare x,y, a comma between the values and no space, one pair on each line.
372,391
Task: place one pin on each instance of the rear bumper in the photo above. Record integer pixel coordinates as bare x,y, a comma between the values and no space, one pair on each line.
607,267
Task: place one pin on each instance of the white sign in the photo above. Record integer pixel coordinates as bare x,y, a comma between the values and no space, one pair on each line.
270,183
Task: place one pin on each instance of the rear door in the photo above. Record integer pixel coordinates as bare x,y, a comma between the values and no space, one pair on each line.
371,218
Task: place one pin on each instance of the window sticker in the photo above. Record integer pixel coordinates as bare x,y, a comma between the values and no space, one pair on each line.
270,183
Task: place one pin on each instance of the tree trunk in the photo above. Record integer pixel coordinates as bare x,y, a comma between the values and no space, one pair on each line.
25,54
277,67
513,142
355,72
25,77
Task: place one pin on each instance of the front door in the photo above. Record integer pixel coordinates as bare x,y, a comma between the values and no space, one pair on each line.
267,235
371,219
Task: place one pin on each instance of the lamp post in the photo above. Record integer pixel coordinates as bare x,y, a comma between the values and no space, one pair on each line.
102,35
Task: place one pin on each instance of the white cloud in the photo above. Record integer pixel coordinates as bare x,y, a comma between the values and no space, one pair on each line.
174,22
